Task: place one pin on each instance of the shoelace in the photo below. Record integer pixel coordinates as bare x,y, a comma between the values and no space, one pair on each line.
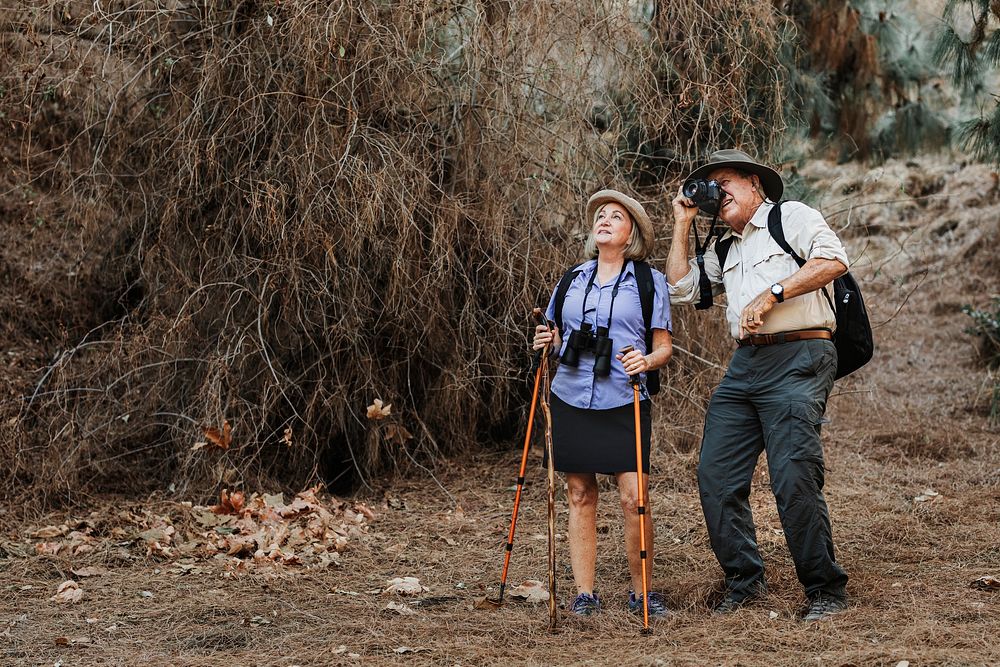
586,603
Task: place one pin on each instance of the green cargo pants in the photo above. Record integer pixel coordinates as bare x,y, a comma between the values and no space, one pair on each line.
771,399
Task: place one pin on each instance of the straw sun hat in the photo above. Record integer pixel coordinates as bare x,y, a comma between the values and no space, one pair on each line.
770,180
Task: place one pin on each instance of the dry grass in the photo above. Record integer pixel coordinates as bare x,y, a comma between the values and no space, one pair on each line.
910,564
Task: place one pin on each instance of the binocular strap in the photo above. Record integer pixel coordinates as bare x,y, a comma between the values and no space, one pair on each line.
614,294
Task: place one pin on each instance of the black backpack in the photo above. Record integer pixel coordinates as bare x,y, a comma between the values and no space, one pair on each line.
644,280
853,338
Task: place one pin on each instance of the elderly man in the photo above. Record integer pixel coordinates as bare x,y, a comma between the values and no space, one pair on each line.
774,393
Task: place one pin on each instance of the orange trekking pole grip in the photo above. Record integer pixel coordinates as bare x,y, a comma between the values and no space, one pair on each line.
634,381
524,462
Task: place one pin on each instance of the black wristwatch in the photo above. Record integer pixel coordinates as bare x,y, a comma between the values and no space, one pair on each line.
778,290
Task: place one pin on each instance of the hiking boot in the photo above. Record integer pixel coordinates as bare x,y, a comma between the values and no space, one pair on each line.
657,605
586,604
823,606
730,604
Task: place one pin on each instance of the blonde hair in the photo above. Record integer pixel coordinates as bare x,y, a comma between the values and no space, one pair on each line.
635,248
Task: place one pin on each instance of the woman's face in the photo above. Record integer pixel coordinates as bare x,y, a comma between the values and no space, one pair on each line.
612,226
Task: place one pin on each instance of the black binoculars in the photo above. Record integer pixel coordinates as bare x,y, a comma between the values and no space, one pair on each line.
705,194
587,340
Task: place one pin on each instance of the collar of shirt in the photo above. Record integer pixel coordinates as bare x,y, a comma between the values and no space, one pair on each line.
758,220
590,266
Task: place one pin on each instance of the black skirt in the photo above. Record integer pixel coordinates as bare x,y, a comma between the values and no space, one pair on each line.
600,441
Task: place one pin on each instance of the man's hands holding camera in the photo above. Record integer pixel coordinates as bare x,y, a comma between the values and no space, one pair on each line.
685,210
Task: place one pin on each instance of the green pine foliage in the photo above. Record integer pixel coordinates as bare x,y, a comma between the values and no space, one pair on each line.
860,79
961,55
911,126
972,58
991,51
982,135
986,326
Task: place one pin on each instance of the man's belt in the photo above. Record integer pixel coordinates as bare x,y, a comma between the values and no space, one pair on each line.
784,337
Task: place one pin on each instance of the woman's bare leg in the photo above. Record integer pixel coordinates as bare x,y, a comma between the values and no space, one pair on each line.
628,491
583,528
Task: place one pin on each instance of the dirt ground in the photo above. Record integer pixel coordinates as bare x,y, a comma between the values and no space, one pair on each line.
913,484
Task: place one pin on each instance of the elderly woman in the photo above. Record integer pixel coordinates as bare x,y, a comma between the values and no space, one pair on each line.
599,309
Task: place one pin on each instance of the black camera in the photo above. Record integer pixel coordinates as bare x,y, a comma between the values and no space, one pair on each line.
705,194
587,340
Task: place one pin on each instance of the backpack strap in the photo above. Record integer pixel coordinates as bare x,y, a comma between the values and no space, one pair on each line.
777,232
722,247
560,297
647,291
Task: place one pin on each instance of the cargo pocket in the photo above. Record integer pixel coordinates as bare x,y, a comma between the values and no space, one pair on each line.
804,443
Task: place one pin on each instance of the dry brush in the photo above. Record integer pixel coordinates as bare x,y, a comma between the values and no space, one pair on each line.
271,213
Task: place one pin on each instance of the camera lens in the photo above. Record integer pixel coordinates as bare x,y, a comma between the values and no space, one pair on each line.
692,190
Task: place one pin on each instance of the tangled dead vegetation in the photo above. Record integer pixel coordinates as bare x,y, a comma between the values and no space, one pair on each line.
271,213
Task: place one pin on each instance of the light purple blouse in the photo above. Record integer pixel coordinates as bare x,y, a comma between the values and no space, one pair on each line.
579,386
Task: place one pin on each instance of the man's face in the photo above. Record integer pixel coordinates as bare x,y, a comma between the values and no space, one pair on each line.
740,199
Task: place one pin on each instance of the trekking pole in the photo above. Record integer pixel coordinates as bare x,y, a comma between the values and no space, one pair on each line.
551,475
634,381
520,475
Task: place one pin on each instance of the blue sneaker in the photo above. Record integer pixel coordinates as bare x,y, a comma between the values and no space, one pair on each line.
657,605
585,604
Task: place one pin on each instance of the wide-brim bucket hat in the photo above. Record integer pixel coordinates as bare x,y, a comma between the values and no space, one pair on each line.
731,158
635,209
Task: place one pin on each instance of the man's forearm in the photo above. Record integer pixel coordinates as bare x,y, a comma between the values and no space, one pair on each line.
813,275
677,259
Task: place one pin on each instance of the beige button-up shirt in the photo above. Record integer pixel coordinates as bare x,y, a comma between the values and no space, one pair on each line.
755,262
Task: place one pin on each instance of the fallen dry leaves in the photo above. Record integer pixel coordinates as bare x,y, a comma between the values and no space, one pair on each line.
400,608
219,438
68,592
379,410
405,586
531,590
84,572
244,532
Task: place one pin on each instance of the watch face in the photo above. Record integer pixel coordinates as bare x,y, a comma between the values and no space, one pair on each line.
776,289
